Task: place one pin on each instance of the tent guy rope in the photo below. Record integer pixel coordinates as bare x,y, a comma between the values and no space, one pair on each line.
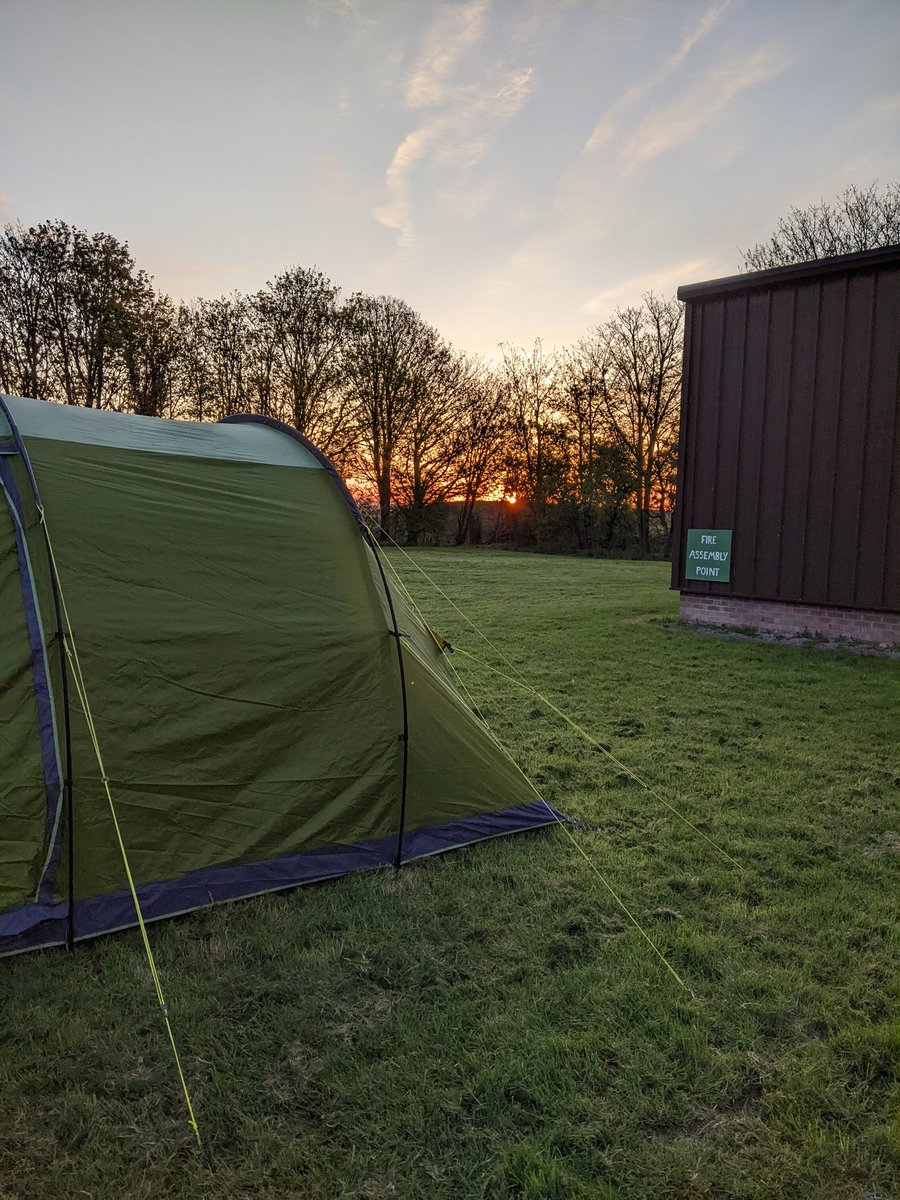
522,682
71,650
599,746
556,816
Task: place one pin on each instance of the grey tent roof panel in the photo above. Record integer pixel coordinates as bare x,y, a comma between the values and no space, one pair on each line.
93,427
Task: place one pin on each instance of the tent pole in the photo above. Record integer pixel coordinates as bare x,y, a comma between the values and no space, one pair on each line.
324,461
404,736
70,808
64,675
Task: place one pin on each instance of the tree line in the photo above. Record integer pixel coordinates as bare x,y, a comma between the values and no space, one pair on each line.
583,438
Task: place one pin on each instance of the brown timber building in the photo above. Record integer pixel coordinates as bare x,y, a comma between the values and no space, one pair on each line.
790,439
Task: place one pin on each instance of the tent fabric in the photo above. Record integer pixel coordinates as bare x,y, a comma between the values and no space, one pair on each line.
193,439
232,629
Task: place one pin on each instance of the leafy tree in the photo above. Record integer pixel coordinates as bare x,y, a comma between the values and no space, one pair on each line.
71,304
857,219
30,265
93,311
611,512
583,403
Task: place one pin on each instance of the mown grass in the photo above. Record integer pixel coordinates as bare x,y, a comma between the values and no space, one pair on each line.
488,1024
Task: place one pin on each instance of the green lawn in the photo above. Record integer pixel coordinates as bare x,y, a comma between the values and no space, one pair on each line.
489,1024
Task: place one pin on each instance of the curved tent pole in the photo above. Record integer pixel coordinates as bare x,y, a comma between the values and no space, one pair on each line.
404,736
328,466
322,459
64,675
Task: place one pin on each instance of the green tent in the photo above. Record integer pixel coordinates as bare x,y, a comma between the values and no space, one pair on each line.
269,712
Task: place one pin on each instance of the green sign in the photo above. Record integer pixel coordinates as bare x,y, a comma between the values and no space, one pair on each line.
708,555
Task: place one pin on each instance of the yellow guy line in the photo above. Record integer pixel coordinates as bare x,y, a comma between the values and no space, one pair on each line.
72,655
553,813
599,745
453,605
476,709
593,866
522,682
618,899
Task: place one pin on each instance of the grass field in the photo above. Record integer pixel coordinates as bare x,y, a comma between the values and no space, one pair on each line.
489,1024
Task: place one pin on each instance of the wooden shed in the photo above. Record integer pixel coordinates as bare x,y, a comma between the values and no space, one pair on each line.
788,510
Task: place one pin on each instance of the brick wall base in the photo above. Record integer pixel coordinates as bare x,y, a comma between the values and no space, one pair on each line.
773,616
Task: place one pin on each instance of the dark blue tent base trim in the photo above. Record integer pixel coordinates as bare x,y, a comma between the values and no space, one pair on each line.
38,925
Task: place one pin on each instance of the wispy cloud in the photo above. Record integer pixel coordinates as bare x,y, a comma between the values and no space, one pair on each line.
512,94
467,201
665,280
884,109
664,129
456,137
608,124
396,213
597,195
457,30
460,114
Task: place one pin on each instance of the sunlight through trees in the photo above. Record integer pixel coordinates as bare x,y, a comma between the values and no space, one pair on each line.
585,437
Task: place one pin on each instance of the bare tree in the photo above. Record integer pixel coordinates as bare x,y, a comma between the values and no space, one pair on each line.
583,401
262,393
224,344
602,485
481,427
300,327
388,360
857,219
427,452
195,390
537,462
641,349
152,350
586,439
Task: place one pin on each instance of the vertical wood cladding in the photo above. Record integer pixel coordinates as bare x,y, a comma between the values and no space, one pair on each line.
790,433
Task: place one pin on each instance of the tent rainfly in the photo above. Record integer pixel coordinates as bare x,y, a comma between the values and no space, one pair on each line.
269,713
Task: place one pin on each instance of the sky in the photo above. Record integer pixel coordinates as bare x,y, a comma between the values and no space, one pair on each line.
514,169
